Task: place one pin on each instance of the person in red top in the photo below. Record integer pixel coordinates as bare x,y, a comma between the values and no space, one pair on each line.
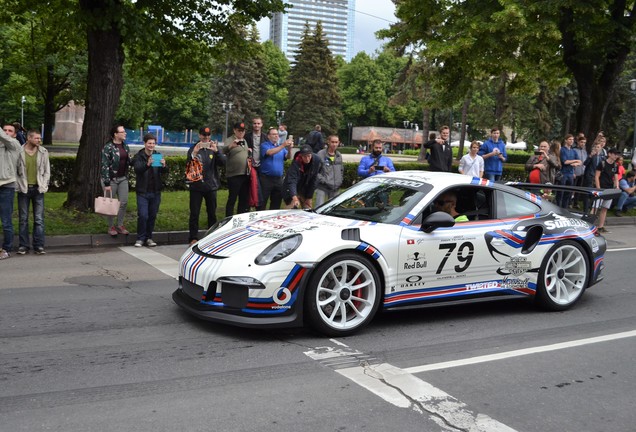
541,164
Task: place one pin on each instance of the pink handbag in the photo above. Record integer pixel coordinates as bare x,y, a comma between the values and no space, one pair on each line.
107,206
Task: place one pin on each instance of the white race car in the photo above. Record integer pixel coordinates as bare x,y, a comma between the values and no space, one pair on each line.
383,243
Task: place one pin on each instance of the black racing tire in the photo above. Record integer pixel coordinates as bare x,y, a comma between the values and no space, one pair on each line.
343,295
563,276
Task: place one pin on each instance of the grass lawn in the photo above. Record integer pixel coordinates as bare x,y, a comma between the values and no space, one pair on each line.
174,213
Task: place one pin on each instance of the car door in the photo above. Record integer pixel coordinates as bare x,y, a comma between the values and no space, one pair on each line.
447,262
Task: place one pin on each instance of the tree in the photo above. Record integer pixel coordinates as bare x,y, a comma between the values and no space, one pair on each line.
46,64
524,45
150,26
277,67
313,86
366,84
242,81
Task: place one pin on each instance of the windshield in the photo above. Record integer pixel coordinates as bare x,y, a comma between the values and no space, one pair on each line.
377,199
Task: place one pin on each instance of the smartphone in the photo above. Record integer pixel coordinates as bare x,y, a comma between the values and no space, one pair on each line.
291,137
379,167
205,145
538,153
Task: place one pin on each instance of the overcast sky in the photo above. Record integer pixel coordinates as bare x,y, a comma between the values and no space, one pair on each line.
371,16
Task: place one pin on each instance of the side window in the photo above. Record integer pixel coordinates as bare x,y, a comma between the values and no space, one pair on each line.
509,205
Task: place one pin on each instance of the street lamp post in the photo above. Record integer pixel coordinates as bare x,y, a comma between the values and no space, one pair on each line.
227,107
349,125
280,115
632,86
22,116
406,124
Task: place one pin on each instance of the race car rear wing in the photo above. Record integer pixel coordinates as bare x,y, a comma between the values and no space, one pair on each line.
592,193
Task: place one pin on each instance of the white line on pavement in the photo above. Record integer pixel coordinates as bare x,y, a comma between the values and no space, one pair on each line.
159,261
521,352
621,249
404,390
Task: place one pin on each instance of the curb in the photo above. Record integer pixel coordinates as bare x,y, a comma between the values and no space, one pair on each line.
107,241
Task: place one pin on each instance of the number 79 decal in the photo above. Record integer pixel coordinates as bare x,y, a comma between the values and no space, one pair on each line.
464,255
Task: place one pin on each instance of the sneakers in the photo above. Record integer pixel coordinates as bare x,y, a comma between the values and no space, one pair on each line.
112,231
604,230
150,243
4,254
39,250
122,230
22,250
139,243
618,213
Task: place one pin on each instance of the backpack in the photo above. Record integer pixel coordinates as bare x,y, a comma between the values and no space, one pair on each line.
194,171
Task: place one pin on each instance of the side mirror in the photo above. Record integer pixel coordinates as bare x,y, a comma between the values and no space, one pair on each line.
437,220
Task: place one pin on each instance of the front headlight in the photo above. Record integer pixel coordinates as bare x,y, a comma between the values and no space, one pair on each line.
279,250
218,225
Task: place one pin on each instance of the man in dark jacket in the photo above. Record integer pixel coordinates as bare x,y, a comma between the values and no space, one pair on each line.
211,158
315,140
441,154
148,165
301,179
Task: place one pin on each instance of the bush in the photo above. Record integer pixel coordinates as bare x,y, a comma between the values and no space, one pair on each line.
62,172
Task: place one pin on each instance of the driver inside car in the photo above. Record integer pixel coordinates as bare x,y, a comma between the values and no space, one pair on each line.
447,203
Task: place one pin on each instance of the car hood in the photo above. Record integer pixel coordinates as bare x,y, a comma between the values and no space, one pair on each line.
257,230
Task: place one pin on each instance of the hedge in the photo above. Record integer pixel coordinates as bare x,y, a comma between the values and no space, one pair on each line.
62,171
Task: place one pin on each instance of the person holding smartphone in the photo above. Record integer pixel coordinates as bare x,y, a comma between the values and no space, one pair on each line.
237,170
375,163
149,185
206,151
542,164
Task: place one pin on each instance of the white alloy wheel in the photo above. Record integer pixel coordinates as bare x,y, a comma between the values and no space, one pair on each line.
563,276
343,294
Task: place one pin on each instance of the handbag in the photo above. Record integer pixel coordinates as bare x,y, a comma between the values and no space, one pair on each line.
107,206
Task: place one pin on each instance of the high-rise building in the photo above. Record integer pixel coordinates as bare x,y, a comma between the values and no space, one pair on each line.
337,17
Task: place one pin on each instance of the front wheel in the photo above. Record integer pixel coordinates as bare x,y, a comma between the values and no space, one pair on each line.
343,295
563,276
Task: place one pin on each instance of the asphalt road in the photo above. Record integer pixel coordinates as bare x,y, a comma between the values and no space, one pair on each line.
91,341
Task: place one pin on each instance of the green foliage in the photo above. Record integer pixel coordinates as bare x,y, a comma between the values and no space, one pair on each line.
277,67
313,86
46,65
366,86
242,81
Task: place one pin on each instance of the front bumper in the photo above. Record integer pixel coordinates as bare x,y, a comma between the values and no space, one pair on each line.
205,312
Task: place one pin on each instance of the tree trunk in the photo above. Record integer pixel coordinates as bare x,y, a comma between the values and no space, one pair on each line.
105,82
462,136
49,106
426,125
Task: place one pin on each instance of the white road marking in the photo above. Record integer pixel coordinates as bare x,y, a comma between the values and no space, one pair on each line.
159,261
404,390
337,342
521,352
621,249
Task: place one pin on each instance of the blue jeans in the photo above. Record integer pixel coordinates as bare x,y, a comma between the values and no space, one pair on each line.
24,201
563,198
6,211
492,177
147,209
625,202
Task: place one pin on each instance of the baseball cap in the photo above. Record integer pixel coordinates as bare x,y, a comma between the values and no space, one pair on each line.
305,150
205,131
239,125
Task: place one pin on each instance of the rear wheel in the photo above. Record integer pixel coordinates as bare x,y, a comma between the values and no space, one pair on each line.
343,295
563,276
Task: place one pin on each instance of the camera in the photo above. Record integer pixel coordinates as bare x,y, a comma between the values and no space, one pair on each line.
538,153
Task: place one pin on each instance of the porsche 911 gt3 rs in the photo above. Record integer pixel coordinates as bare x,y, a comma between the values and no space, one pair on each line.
384,244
